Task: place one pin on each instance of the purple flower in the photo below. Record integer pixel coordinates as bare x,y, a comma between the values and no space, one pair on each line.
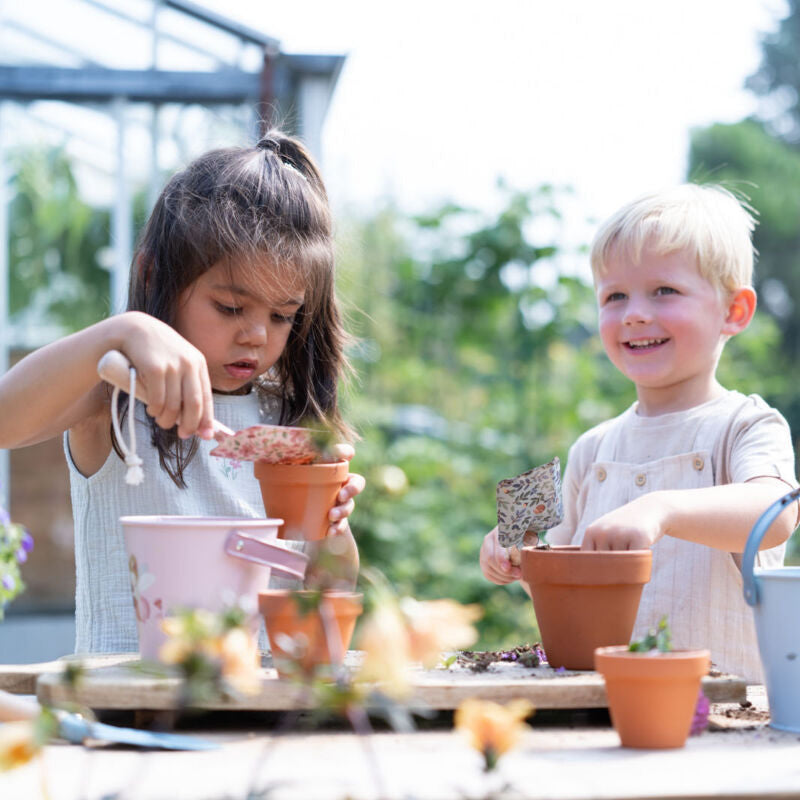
561,669
8,583
27,541
21,555
700,720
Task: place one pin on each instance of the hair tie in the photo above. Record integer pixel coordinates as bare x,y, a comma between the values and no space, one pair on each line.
135,473
268,143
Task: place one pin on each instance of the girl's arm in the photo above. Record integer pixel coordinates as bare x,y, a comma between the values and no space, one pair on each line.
57,387
717,516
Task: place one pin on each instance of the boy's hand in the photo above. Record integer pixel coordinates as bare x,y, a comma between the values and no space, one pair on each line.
637,525
495,562
345,504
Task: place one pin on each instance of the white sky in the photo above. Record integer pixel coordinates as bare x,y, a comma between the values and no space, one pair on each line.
439,98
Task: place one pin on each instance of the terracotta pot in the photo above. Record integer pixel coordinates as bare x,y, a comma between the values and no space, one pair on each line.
584,599
309,635
652,697
301,495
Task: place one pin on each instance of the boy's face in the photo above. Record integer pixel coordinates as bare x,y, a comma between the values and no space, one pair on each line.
240,331
663,326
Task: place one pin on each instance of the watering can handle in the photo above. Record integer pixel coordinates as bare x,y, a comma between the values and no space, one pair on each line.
287,562
754,540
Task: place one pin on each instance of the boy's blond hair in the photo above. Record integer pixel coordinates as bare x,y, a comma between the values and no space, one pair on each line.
707,220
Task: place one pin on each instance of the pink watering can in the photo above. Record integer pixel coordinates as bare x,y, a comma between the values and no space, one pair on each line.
200,562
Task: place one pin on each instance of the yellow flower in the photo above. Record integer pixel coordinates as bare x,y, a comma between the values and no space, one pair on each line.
491,728
394,636
240,661
18,744
384,639
438,625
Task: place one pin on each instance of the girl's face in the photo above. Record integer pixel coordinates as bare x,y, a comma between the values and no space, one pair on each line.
663,325
240,331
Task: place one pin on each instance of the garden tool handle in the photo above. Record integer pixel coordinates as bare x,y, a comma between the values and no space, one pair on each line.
754,540
280,558
14,708
114,368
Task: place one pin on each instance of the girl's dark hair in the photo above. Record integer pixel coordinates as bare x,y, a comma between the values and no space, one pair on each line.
264,208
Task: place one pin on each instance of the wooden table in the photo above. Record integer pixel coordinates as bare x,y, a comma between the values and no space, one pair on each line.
566,755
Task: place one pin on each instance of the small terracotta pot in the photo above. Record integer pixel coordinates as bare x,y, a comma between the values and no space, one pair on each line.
301,495
652,697
584,599
312,636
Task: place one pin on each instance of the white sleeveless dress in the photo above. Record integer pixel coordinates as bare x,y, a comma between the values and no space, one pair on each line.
104,613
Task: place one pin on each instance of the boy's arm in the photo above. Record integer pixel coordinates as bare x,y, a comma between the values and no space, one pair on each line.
55,388
717,516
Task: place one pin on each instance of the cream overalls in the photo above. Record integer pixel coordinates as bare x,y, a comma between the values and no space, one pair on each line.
697,587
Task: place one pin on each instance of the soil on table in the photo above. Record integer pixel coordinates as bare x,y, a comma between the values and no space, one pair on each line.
526,655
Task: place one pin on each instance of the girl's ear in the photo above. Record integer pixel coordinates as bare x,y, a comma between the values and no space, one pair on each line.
741,308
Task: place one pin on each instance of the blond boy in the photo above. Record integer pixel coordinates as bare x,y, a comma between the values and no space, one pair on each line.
690,466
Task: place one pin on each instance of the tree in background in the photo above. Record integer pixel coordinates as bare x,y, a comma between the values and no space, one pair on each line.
476,361
56,240
759,159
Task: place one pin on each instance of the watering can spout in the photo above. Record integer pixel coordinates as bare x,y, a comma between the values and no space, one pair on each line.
757,533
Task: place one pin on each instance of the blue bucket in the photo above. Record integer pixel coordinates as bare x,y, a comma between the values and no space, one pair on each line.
774,595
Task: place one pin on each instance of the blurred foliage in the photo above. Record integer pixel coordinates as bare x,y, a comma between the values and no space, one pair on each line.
475,350
759,160
57,240
461,384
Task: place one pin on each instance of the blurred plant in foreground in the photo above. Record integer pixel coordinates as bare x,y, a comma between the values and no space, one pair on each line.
401,632
16,543
215,653
492,729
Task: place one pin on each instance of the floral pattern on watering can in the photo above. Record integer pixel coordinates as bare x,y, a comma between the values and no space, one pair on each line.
141,581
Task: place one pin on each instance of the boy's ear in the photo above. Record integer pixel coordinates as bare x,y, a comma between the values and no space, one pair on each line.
741,308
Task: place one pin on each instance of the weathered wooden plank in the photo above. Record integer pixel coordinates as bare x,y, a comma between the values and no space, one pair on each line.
127,686
21,678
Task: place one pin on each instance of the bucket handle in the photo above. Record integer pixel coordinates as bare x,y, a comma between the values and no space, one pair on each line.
287,562
754,540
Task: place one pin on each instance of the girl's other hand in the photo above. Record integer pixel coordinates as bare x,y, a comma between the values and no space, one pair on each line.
344,500
495,562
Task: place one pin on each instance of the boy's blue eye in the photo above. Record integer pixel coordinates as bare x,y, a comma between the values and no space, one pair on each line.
615,296
666,290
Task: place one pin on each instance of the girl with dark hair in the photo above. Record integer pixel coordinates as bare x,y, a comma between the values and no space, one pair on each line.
231,315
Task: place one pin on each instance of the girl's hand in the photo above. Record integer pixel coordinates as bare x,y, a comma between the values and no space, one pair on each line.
345,504
173,374
637,525
495,562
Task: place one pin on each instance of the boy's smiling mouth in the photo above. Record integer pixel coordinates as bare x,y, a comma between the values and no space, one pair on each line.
644,344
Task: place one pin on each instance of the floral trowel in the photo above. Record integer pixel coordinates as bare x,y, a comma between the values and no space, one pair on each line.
276,444
530,501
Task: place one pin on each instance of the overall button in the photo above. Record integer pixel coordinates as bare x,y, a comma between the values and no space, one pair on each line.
699,463
641,479
601,474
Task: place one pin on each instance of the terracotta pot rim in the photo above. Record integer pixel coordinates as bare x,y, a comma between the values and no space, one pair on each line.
328,466
621,652
306,592
575,550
